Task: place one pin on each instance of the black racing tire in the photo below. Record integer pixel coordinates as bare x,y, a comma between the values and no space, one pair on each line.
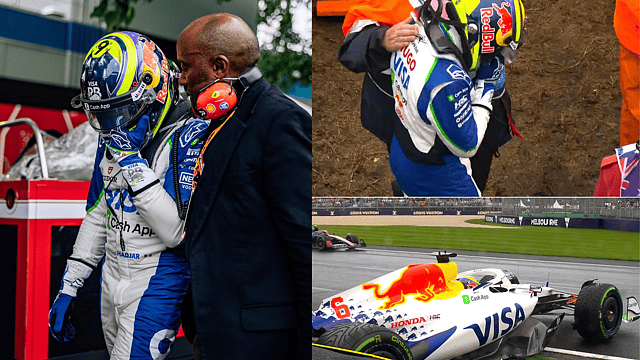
321,242
598,312
353,239
368,339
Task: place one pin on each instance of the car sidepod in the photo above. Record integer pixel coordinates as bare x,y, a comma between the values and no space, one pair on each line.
482,318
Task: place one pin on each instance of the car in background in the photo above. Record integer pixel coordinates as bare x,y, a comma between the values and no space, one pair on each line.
322,240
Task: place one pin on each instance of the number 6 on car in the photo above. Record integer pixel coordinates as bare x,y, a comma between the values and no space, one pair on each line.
430,311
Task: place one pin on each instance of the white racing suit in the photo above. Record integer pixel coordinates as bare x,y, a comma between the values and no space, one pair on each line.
444,117
145,274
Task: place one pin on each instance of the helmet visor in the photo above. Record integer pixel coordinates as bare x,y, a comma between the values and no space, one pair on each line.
118,111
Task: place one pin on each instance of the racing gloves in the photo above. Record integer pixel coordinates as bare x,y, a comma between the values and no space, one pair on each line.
497,76
125,147
489,83
123,143
60,314
60,318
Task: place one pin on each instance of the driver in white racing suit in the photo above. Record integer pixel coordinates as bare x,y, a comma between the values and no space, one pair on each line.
444,113
137,200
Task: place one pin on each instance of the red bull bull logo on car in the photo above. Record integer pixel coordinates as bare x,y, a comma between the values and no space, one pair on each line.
424,281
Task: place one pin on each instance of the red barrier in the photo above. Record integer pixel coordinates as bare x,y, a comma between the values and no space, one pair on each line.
34,206
14,139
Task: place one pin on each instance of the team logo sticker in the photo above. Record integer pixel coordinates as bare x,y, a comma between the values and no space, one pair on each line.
457,73
192,133
505,23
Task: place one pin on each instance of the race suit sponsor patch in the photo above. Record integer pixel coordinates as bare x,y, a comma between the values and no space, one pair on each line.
192,133
415,321
135,229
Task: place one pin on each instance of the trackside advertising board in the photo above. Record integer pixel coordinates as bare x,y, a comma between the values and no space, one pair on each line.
566,222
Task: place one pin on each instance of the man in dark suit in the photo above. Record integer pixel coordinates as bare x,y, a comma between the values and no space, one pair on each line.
247,232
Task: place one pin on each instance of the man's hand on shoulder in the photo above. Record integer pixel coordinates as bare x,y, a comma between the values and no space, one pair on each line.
400,35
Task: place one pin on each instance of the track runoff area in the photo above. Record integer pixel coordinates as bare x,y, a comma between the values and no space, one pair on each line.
541,255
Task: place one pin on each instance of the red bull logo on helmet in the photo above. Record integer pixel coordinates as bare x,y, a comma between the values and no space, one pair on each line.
492,36
150,60
505,22
488,32
424,281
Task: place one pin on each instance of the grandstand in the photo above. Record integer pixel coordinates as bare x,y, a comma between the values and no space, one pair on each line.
566,207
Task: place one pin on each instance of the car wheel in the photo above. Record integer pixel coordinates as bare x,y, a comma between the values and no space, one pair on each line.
368,339
353,239
598,312
321,242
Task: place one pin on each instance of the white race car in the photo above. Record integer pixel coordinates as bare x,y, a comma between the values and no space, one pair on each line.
322,240
430,311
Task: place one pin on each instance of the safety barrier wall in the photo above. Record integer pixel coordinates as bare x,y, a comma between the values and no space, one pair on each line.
592,207
342,212
566,222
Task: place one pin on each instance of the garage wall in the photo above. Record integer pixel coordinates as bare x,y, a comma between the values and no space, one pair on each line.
50,49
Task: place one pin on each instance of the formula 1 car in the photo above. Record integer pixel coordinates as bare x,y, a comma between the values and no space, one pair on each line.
430,311
322,240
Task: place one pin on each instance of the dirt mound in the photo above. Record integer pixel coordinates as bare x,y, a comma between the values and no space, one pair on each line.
566,103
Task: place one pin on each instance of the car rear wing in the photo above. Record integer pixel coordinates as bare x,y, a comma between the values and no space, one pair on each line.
633,310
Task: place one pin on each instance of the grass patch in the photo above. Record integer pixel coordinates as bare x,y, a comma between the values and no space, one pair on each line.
532,240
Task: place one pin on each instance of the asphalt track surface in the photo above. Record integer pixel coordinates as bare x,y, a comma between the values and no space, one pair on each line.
336,271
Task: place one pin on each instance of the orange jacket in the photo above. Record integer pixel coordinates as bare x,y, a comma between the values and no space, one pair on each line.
626,23
385,12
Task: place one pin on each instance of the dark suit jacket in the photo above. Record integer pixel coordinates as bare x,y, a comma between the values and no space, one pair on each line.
363,52
247,234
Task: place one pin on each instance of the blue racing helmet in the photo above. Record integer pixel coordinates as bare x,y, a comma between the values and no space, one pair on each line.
125,75
468,282
494,27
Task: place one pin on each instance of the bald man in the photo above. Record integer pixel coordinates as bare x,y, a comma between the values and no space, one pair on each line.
247,240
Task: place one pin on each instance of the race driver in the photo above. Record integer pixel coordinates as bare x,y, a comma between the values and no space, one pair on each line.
442,111
137,200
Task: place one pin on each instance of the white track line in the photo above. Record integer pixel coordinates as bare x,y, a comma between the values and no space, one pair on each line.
586,355
518,259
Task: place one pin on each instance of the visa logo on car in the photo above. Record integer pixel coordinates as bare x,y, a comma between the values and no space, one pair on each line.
497,320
